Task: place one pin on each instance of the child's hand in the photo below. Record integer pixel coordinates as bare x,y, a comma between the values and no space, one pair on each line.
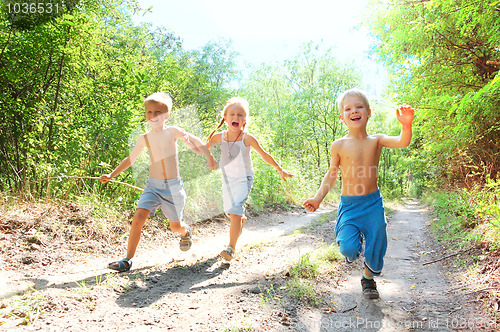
105,178
285,174
311,204
405,114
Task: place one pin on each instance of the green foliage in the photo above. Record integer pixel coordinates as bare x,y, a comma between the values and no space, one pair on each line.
72,90
467,215
295,117
22,309
71,93
443,57
307,269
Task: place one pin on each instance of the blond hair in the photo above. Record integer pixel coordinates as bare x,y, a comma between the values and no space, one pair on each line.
232,101
350,93
161,98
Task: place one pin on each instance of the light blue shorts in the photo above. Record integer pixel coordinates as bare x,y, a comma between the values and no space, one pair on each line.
169,195
235,193
362,215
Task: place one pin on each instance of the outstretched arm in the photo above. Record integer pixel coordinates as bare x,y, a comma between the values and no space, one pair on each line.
329,179
268,158
127,162
404,114
197,146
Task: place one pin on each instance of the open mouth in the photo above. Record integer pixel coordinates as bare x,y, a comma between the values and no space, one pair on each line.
355,118
235,124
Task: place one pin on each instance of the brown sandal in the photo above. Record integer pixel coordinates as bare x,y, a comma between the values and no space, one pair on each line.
185,242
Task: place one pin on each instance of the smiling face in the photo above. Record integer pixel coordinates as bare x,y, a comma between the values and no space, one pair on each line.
354,111
156,114
235,117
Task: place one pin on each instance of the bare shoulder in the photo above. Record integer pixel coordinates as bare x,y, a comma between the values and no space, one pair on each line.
142,137
216,138
339,142
250,140
250,137
377,137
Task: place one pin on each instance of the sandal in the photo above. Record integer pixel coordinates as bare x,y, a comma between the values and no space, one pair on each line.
185,242
369,287
227,253
122,265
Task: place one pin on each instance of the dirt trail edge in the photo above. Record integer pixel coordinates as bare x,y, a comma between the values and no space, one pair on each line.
194,291
414,296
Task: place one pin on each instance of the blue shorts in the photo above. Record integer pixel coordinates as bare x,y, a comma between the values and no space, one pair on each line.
169,195
362,215
235,193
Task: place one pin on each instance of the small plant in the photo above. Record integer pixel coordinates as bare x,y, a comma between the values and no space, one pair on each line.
303,290
306,268
304,273
318,221
269,294
22,310
239,329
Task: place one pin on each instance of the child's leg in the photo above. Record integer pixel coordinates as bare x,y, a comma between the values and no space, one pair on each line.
376,245
140,217
235,230
349,241
179,227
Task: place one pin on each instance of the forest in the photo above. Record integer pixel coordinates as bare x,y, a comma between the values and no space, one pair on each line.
73,83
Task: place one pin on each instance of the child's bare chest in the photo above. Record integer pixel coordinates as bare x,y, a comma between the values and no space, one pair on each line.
161,144
360,153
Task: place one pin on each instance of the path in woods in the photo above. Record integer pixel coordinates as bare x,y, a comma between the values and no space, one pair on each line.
171,290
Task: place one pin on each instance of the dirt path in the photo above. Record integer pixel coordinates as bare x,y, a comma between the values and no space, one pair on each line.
414,296
171,290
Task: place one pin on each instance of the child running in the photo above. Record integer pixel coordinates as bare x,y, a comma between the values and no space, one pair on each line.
361,210
236,166
164,188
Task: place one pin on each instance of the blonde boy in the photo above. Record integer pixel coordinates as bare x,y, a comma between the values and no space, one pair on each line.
164,188
361,211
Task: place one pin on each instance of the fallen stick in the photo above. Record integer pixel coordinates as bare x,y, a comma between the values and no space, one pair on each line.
482,290
91,178
446,257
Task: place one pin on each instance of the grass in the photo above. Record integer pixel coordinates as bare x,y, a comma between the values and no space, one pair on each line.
471,218
316,222
306,271
22,309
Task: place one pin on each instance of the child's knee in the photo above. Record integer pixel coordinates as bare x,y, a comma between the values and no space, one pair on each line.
350,250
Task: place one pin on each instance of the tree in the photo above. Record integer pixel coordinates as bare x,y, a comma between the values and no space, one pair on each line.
444,57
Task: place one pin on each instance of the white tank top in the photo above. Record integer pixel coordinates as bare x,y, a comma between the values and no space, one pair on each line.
235,158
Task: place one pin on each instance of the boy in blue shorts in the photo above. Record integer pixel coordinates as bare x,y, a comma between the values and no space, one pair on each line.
164,188
361,210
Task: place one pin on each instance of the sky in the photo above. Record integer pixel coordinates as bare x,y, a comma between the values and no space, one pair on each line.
270,30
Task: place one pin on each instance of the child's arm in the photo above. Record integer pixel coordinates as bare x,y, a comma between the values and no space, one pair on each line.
217,138
329,179
267,157
404,115
127,162
197,146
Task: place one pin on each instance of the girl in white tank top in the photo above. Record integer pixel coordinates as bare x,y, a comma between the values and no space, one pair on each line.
236,166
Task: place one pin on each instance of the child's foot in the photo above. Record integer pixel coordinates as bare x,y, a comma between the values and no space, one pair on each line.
227,253
122,265
369,287
185,242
